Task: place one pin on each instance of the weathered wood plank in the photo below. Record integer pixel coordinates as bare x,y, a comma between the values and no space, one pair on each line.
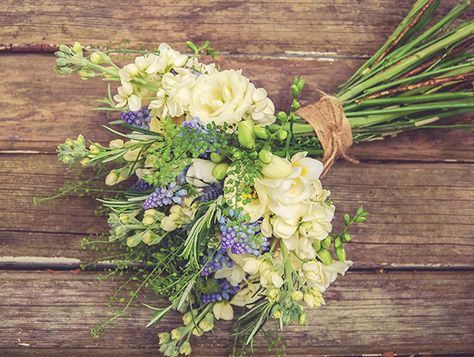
403,312
420,214
343,27
40,115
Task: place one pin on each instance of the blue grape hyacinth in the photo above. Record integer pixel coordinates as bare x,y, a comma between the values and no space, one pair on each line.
225,292
240,236
216,261
140,119
164,196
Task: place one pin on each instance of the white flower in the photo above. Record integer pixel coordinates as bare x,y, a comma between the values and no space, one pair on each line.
199,174
234,274
126,97
247,295
175,95
179,216
166,60
223,311
313,272
262,110
221,97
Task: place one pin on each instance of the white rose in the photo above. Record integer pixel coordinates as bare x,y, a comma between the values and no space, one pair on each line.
221,97
199,174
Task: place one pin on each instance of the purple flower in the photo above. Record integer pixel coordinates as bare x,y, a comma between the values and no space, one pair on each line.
216,261
225,292
164,196
140,119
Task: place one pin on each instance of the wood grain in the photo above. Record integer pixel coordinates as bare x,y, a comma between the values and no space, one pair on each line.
420,215
403,312
40,109
343,27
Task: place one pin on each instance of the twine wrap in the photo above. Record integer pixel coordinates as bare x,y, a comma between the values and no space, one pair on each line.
332,128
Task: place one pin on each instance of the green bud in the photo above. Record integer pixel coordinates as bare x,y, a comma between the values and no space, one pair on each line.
220,171
317,245
265,156
61,62
77,48
295,105
337,242
176,333
340,254
360,219
85,162
303,319
99,58
65,49
326,242
346,237
185,348
282,134
86,73
246,134
187,318
94,149
151,216
150,238
295,91
164,337
215,157
282,116
325,256
237,154
63,70
261,132
347,219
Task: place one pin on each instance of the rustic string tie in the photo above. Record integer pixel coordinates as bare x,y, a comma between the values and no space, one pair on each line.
332,128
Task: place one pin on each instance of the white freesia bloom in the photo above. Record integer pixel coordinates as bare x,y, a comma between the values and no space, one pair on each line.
229,97
126,97
223,311
293,195
199,174
247,296
174,97
234,274
166,60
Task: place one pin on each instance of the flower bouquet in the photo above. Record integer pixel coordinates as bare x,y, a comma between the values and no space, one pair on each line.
219,207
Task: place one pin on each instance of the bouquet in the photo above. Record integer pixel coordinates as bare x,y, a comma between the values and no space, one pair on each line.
218,205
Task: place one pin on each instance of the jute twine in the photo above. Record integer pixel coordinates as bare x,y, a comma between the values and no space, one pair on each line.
332,128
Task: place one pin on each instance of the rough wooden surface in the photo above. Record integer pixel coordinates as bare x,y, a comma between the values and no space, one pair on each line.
419,215
407,312
420,202
344,27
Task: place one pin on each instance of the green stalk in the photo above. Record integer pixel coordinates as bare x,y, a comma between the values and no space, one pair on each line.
408,62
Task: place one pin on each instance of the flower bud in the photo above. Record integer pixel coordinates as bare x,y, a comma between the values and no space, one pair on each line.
86,73
185,348
176,333
303,319
282,134
94,149
77,48
149,237
261,132
278,168
116,144
126,218
132,155
273,295
150,216
85,161
207,323
325,256
346,237
295,105
295,91
223,311
112,178
337,242
164,337
246,134
99,58
276,314
198,332
282,116
297,295
217,158
265,156
340,254
219,172
326,243
187,318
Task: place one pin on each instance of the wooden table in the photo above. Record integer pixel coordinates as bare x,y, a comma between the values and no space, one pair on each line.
411,288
